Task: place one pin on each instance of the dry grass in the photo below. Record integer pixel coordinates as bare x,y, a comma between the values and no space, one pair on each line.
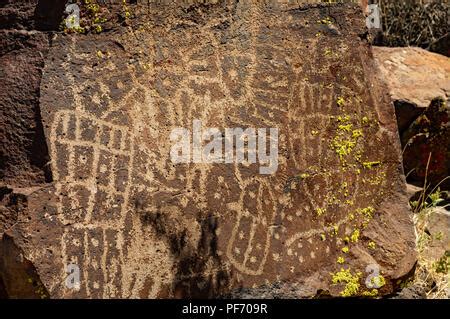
413,23
432,276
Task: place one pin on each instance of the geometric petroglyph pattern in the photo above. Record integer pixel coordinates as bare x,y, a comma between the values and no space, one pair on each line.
265,66
94,187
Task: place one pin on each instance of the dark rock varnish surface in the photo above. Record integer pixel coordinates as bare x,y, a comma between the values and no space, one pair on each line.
104,195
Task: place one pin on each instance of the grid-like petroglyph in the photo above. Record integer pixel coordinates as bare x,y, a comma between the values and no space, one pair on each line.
94,187
98,155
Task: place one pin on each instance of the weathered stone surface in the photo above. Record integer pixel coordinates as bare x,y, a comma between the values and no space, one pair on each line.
413,192
23,151
17,14
139,225
427,146
414,77
42,15
437,226
419,85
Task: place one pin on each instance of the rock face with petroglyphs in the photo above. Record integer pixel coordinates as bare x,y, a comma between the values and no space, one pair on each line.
136,224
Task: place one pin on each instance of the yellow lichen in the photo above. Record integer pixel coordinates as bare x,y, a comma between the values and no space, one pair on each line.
370,165
343,119
335,229
346,138
343,147
320,211
304,175
378,281
351,281
371,293
98,28
340,101
357,133
126,10
355,236
365,120
366,212
345,128
326,21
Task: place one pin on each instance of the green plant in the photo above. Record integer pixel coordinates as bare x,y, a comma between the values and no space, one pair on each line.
443,264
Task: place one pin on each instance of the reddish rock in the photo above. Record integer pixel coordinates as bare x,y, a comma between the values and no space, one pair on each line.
43,15
138,225
414,77
437,224
23,151
419,85
426,155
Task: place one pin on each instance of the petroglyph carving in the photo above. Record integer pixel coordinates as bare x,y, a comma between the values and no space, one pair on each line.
140,225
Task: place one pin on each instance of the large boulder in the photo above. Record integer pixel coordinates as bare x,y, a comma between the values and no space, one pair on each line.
330,217
419,86
414,77
437,224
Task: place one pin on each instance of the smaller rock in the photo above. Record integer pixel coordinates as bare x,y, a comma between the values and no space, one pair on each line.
438,228
433,243
413,192
414,77
442,45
